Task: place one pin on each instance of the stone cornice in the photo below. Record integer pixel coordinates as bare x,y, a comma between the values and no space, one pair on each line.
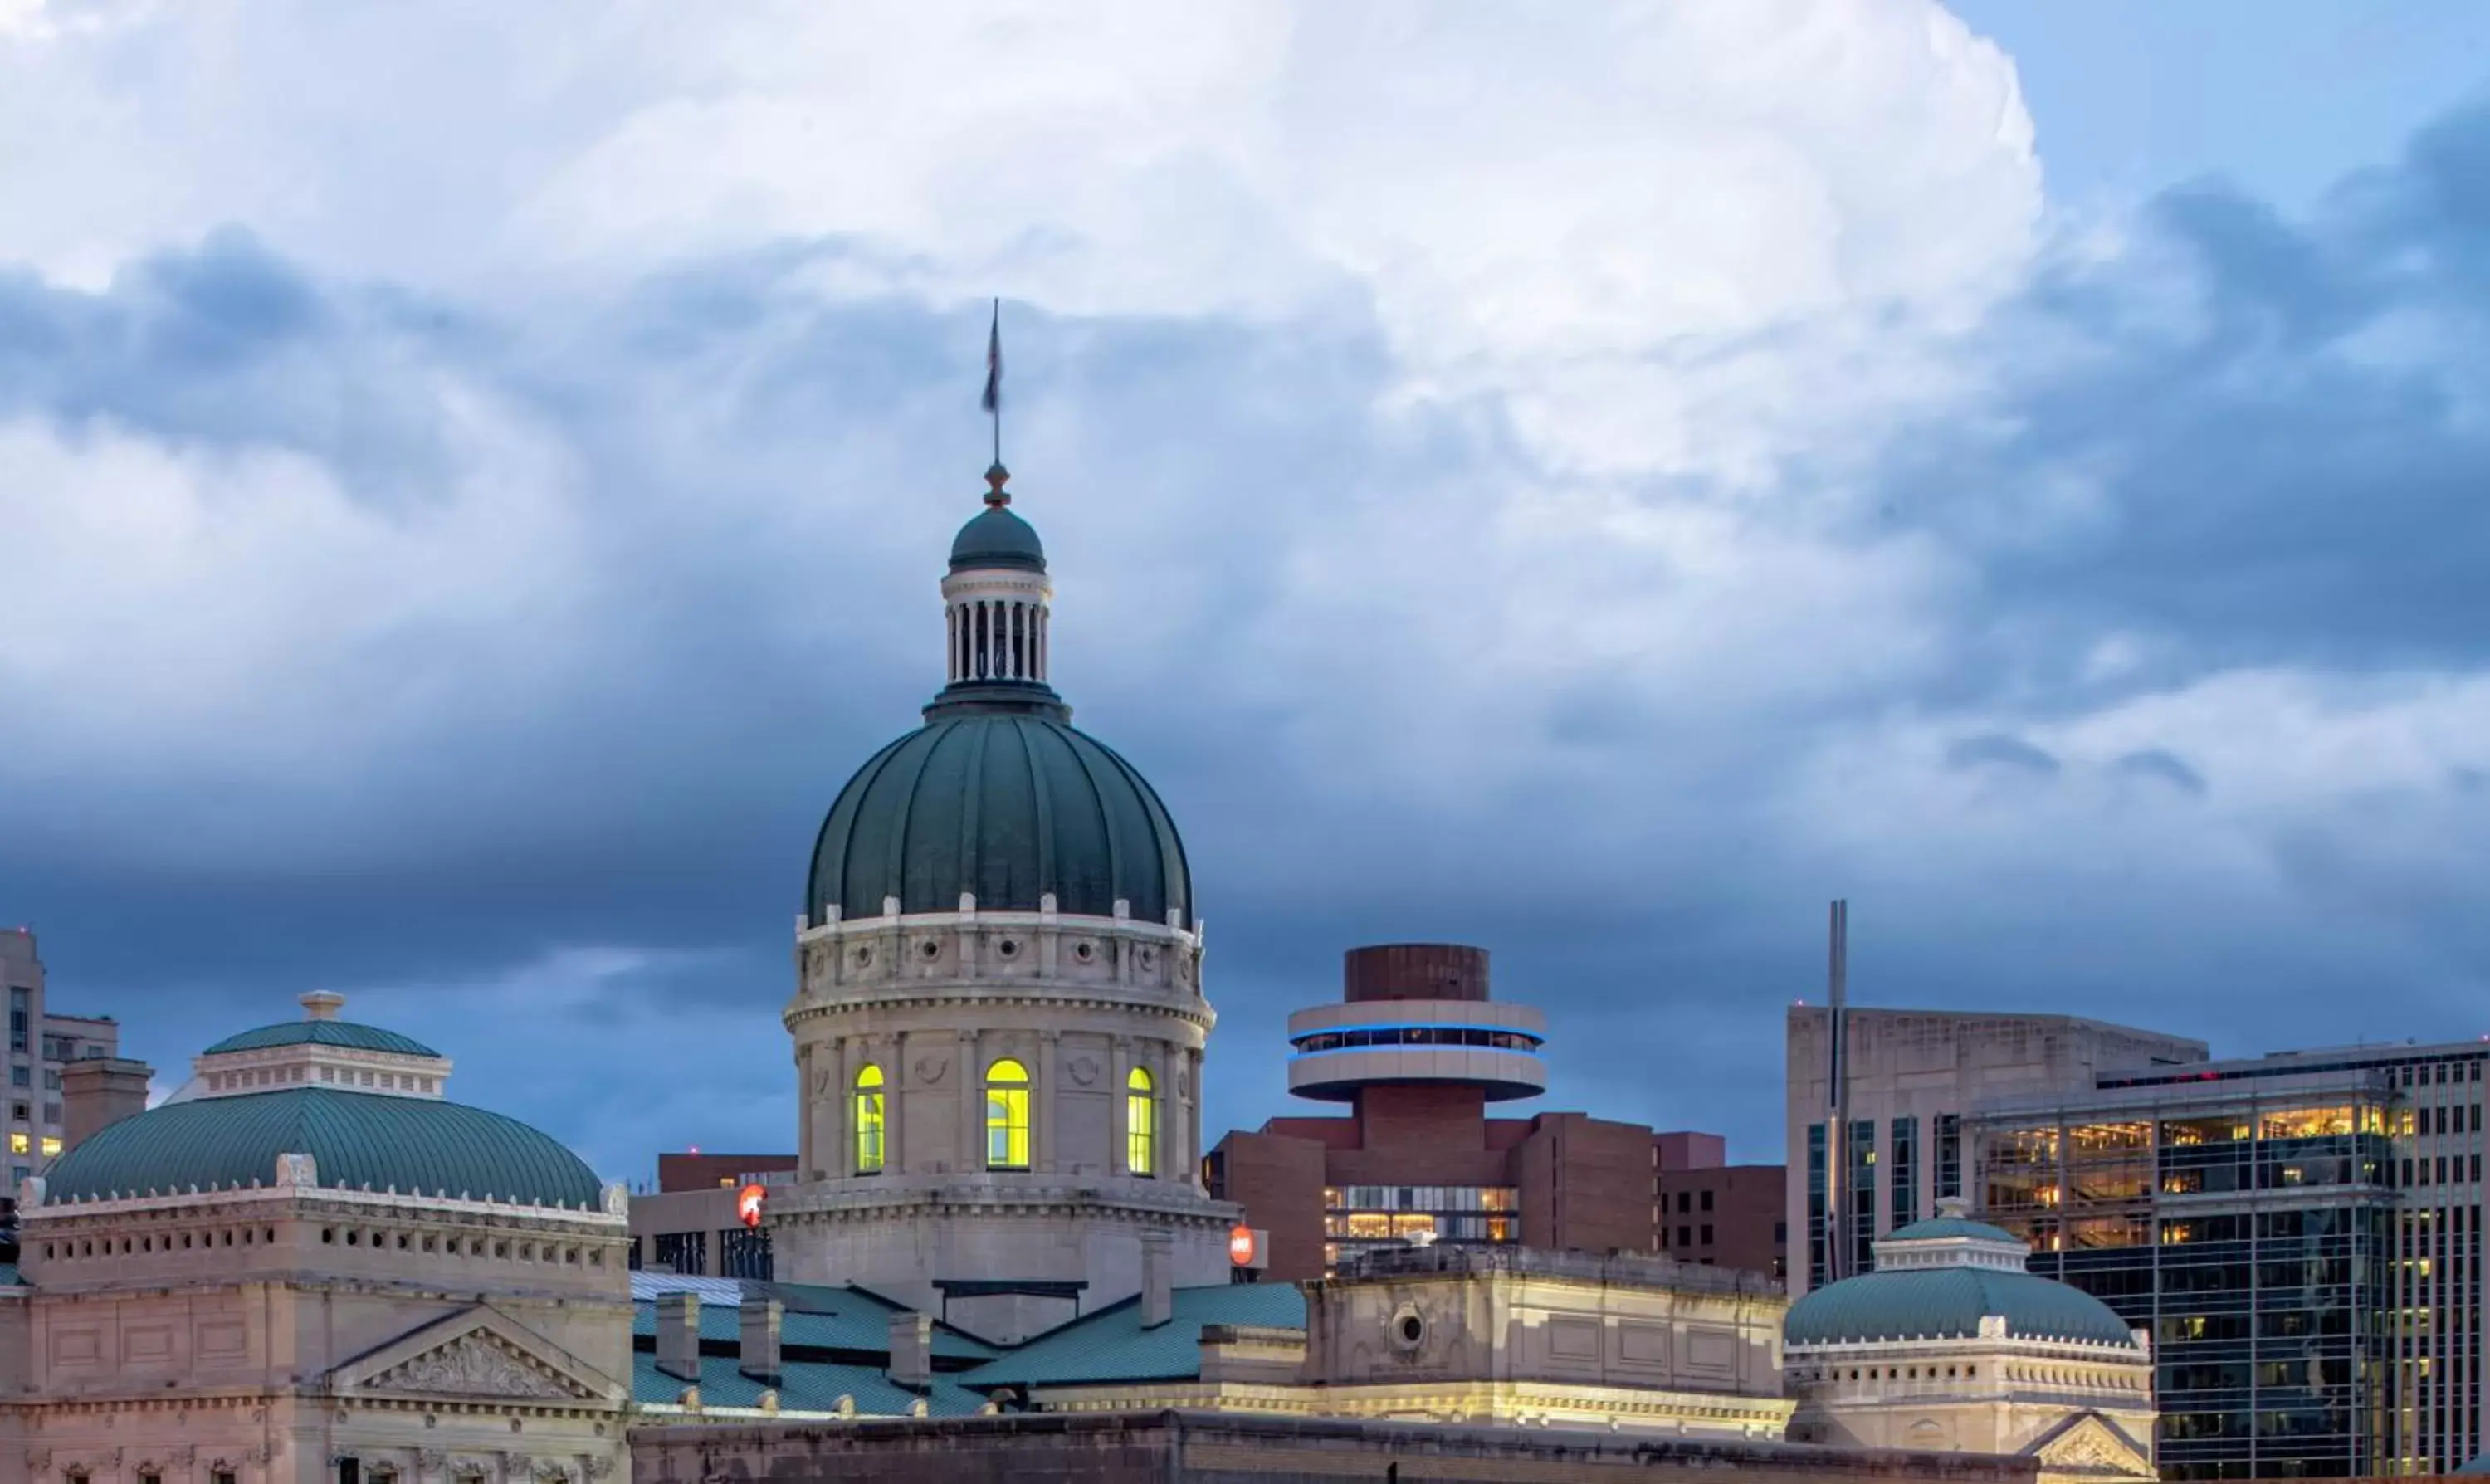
816,1203
1047,995
293,1201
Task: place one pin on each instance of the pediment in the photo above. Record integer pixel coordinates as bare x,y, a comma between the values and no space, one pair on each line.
2089,1443
479,1354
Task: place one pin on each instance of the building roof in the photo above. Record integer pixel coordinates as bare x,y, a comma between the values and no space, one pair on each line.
994,536
1949,1303
1112,1345
322,1032
1939,1227
803,1385
1009,805
357,1141
2480,1465
844,1320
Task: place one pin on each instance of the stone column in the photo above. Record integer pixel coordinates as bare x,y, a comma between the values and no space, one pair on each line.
1119,1072
805,1140
899,1153
972,1114
1041,1101
833,1058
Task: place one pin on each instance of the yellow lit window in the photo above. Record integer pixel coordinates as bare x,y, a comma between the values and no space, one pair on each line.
1141,1124
868,1120
19,1143
51,1146
1006,1116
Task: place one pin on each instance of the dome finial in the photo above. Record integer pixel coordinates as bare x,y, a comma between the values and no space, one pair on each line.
992,403
322,1005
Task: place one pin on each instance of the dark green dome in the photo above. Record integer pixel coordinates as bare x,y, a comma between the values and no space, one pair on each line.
1007,805
323,1032
994,536
355,1139
1949,1302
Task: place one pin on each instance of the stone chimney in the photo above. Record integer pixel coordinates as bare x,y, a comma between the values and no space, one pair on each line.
678,1336
759,1356
912,1350
99,1092
1158,1278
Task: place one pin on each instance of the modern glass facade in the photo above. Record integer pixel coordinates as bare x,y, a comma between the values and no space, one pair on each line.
1817,1276
1360,1217
2301,1234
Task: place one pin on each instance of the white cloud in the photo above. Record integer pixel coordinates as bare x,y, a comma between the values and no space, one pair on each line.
1550,202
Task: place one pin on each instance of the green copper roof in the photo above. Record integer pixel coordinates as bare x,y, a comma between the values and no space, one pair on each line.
323,1032
1009,806
1944,1302
803,1385
358,1140
994,536
1111,1344
1951,1225
2480,1465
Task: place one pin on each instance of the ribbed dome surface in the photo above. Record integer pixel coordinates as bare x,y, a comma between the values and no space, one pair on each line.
994,536
355,1139
1945,1302
322,1032
1006,806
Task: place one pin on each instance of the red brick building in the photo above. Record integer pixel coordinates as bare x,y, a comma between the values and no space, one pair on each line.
1417,1051
1711,1211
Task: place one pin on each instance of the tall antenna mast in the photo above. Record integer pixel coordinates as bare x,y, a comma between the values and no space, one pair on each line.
1837,1239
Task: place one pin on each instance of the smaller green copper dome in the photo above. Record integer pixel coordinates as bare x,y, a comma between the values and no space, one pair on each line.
1949,1303
994,536
356,1140
323,1032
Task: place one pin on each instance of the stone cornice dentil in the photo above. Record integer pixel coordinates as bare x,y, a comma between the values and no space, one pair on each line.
611,1218
979,958
1169,1201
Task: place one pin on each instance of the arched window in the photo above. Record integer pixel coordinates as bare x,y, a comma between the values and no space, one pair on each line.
869,1123
1141,1124
1006,1116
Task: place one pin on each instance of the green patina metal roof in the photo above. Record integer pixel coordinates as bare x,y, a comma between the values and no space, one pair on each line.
1951,1225
829,1319
1943,1302
323,1032
2480,1465
1009,806
803,1385
358,1140
1111,1344
994,536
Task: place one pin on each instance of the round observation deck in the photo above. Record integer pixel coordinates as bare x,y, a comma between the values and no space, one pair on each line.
1335,1050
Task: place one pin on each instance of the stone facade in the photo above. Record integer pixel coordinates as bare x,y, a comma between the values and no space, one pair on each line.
1501,1336
931,1001
2082,1410
1156,1448
275,1332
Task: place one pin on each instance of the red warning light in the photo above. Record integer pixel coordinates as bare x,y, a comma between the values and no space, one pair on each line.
1240,1245
748,1205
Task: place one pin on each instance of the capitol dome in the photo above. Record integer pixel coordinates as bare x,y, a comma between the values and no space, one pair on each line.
1938,1280
998,796
1007,805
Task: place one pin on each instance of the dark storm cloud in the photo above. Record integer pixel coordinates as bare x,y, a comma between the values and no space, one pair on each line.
2276,419
2267,421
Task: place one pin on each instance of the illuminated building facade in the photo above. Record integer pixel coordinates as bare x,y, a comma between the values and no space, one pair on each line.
41,1047
1418,1050
2300,1233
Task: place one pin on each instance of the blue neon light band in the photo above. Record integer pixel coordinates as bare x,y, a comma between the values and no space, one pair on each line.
1533,1037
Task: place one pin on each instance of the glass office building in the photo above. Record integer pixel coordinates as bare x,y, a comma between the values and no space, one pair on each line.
2300,1235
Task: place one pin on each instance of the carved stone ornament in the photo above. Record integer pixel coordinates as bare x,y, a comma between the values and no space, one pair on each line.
929,1070
822,1080
186,1455
429,1460
1083,1070
472,1365
600,1465
39,1460
1183,1082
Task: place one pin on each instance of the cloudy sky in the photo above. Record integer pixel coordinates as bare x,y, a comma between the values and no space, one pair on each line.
1595,483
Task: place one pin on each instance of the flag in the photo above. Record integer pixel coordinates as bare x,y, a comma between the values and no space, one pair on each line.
993,400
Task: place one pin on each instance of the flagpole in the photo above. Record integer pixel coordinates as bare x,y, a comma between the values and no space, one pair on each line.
995,339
